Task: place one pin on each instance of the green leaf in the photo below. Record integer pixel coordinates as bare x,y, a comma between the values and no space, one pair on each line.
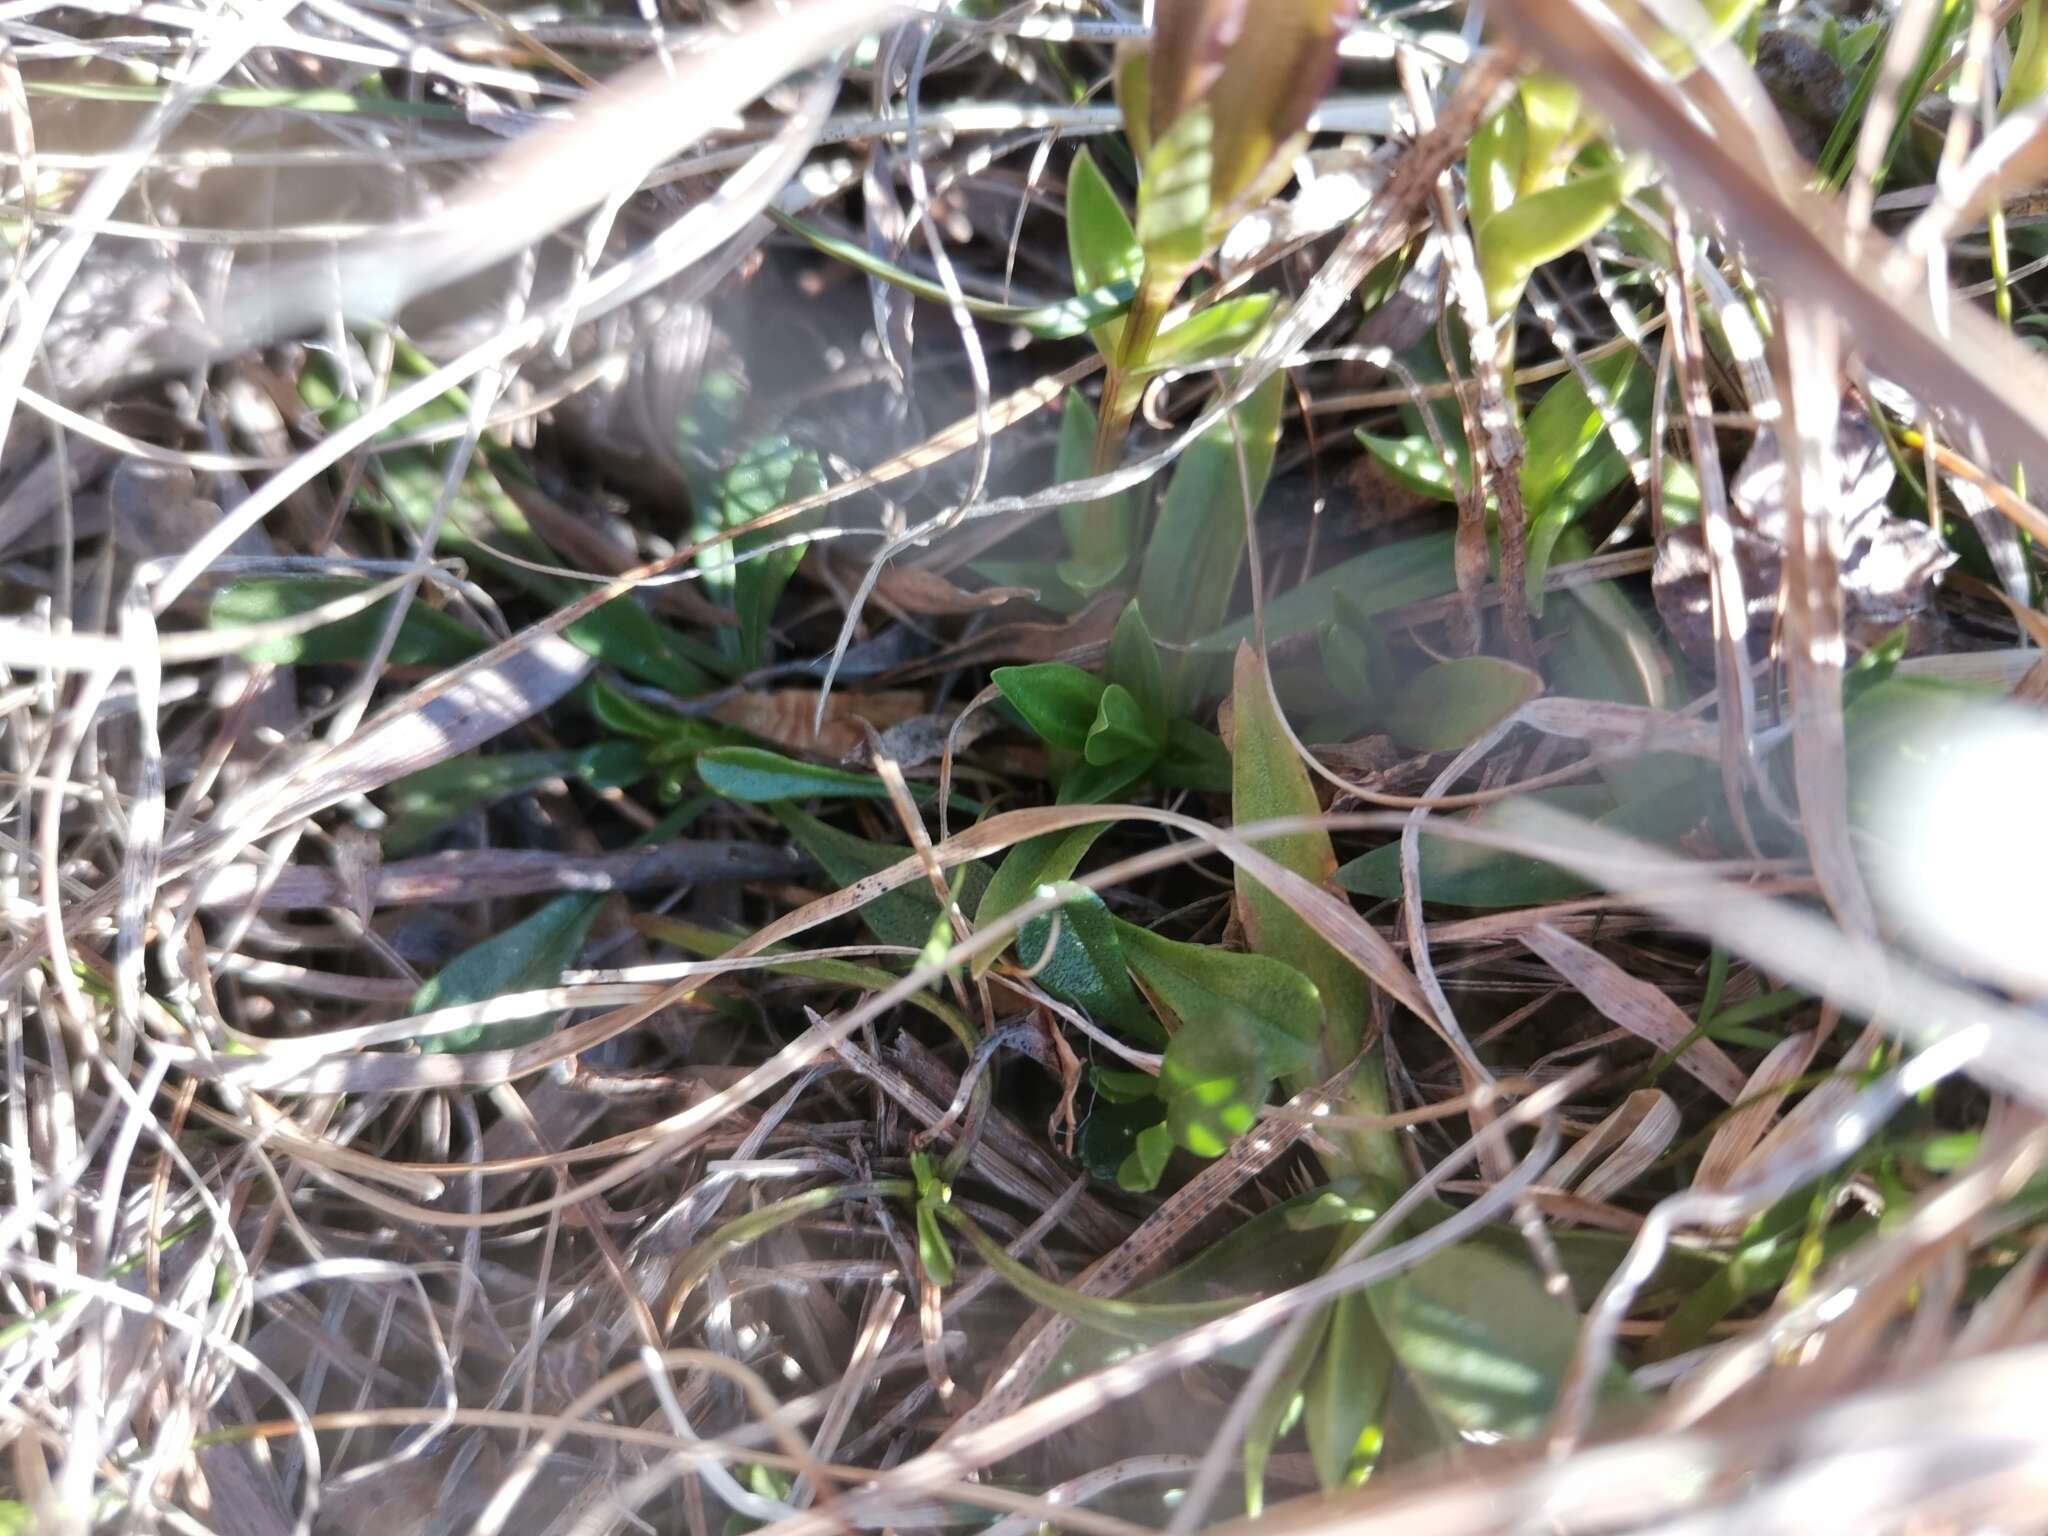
529,955
1417,464
1097,784
1545,225
1101,244
1452,704
771,476
1270,782
1048,322
1151,1151
1133,663
1140,1322
1572,464
1483,1341
904,916
1100,534
1043,860
1226,328
933,1254
1057,701
1213,1080
1233,994
1173,196
1122,732
1279,1409
755,776
1120,1087
426,636
1193,759
1493,164
422,803
1346,1392
1462,875
1086,968
1109,1133
1371,583
1197,546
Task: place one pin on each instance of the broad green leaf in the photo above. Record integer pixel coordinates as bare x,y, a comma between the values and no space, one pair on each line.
1417,464
1572,463
1043,860
1133,662
1193,758
1224,329
1483,1341
1346,1392
1086,967
1122,732
1151,1151
904,916
1373,583
1197,546
1271,1004
422,803
1100,534
755,776
529,955
1057,701
426,636
1453,703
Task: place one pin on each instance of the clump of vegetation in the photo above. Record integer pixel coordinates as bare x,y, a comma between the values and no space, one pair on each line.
1011,767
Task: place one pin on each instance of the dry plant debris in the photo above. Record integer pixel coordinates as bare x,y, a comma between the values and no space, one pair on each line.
1012,765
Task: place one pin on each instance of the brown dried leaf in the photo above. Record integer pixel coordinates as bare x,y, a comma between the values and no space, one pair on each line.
784,716
1740,1132
1636,1006
915,589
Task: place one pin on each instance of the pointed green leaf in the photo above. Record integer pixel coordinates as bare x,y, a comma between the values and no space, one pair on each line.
1346,1392
1101,244
1100,534
1223,329
1056,700
1133,662
771,476
1279,1409
1374,582
1269,782
529,955
1545,225
422,803
1197,546
904,916
1452,704
1417,464
756,776
1173,196
933,1254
